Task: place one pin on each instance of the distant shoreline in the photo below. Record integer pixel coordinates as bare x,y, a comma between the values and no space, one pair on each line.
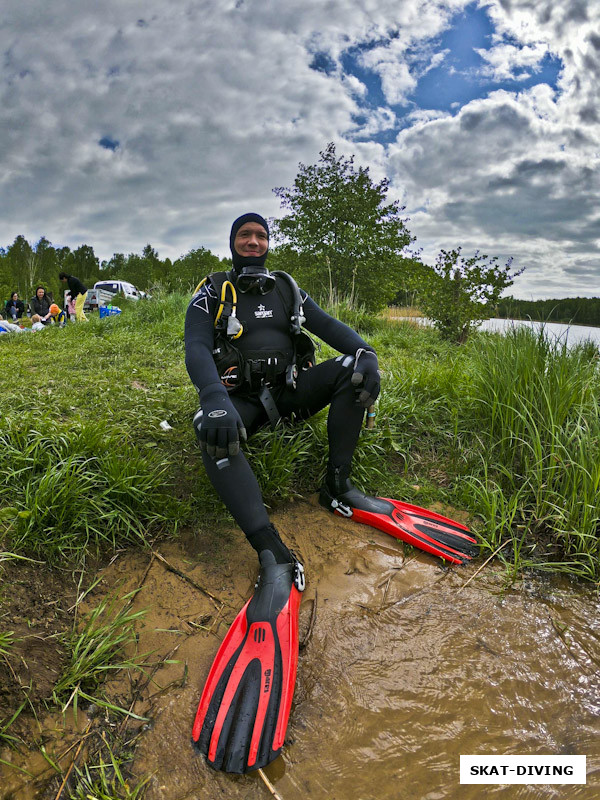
550,322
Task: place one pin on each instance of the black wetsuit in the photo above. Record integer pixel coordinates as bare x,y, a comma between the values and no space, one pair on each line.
266,321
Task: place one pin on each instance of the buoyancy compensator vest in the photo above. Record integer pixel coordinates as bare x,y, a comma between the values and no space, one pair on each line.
235,371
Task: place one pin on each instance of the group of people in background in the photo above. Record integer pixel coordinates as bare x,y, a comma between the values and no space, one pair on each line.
43,310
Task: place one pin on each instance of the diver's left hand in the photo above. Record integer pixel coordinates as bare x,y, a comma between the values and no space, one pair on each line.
367,376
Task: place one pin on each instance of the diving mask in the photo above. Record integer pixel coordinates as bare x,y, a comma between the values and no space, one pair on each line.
255,280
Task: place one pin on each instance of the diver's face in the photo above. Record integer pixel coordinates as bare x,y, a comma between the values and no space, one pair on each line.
251,240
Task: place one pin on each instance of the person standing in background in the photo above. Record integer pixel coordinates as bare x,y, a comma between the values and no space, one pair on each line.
77,292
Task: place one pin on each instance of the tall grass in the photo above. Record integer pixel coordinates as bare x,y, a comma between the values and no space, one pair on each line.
292,460
106,780
352,313
506,425
73,490
7,641
535,406
7,739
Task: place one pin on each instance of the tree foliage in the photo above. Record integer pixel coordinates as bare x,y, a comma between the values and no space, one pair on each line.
195,265
23,267
147,270
458,293
340,236
577,310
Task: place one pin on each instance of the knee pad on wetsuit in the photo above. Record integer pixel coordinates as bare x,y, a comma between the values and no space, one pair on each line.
345,360
346,363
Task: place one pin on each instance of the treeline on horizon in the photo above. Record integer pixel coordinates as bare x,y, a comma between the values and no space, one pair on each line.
569,310
24,266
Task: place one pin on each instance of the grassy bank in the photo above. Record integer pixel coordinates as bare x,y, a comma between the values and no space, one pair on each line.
506,427
535,406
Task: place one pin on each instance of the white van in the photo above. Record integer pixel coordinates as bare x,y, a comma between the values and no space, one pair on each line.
128,290
104,293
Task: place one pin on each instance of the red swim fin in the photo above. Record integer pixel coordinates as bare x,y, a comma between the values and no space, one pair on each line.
417,526
243,713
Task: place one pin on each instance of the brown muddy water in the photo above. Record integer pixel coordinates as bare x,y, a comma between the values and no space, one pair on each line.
401,671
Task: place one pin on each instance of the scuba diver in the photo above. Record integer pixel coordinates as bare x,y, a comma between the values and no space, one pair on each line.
252,364
233,399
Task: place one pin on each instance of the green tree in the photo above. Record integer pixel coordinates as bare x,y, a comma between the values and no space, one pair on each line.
189,270
25,266
458,293
46,265
84,264
114,267
153,266
579,310
137,271
164,274
340,234
6,283
21,263
143,270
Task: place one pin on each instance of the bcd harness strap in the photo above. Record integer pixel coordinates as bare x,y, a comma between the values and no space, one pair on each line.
269,405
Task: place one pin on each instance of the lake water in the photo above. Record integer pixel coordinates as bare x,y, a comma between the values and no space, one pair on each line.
572,334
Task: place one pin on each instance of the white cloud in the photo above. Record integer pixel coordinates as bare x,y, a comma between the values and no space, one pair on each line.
397,81
506,61
517,174
381,119
202,122
354,85
426,115
212,105
499,177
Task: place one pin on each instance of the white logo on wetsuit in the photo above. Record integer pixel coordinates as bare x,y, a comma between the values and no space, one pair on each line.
200,300
220,412
263,313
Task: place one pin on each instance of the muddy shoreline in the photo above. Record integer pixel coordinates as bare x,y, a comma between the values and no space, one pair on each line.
400,670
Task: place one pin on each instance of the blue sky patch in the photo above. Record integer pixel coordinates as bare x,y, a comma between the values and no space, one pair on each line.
323,62
351,64
108,143
461,76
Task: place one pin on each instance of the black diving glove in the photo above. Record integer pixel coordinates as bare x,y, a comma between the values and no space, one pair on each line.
221,427
366,375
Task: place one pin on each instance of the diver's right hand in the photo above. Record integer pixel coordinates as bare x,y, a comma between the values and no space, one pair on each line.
220,428
366,377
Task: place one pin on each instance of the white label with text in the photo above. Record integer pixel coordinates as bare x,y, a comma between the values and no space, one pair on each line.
522,769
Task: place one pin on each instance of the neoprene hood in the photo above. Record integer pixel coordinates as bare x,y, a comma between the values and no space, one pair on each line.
239,262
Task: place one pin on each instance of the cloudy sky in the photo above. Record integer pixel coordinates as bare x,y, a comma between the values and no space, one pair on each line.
124,122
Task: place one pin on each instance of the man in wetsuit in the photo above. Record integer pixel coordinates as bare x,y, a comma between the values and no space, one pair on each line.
348,384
